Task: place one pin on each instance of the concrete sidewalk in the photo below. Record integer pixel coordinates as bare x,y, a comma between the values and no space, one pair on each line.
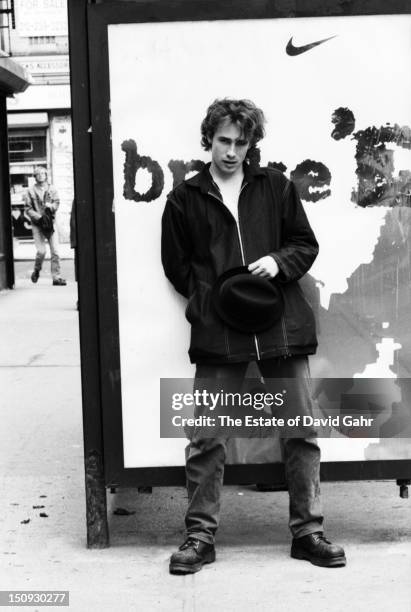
42,465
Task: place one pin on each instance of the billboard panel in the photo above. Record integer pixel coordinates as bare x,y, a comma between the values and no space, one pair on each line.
336,94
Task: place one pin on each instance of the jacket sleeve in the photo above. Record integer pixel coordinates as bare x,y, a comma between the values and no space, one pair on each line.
176,247
52,199
29,209
299,247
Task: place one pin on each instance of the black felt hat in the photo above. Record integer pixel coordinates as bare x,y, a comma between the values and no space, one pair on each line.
247,302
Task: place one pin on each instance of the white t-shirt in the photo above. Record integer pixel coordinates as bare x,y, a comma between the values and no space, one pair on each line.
230,191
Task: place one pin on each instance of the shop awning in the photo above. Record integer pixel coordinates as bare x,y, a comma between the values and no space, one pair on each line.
20,120
13,77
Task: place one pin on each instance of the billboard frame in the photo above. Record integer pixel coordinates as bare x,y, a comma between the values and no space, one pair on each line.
97,273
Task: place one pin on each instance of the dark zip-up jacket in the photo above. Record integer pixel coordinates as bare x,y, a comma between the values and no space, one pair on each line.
201,240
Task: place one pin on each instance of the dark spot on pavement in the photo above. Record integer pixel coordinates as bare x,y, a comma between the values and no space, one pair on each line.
123,512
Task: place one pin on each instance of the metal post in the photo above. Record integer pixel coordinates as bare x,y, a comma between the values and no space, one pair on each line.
97,526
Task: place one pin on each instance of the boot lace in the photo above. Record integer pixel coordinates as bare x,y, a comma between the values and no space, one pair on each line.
190,543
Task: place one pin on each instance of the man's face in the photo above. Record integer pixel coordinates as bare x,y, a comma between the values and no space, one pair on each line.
40,175
228,148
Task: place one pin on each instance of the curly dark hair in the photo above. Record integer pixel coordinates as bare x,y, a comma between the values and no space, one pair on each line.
244,113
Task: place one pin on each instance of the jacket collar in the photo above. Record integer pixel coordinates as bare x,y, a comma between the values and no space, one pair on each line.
203,180
41,188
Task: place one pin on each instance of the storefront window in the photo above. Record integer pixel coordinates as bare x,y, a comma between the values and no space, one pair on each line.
27,149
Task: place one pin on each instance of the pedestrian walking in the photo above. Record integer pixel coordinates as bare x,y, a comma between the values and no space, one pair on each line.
41,204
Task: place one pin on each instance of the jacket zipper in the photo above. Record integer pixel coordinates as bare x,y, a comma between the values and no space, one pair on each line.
240,242
287,352
257,348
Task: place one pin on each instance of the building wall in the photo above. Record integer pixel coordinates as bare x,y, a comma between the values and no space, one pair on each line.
41,27
62,170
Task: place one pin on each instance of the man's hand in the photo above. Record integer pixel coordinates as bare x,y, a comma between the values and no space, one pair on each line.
51,202
265,266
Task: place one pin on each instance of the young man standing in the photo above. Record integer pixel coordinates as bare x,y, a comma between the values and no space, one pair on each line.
41,204
234,213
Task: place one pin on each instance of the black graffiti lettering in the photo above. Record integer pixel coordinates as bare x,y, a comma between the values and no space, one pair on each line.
179,169
277,166
375,162
344,123
375,166
311,178
132,164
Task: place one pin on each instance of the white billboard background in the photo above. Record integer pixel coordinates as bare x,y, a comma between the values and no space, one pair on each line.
162,78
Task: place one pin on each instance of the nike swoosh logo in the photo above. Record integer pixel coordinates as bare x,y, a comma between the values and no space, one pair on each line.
292,50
